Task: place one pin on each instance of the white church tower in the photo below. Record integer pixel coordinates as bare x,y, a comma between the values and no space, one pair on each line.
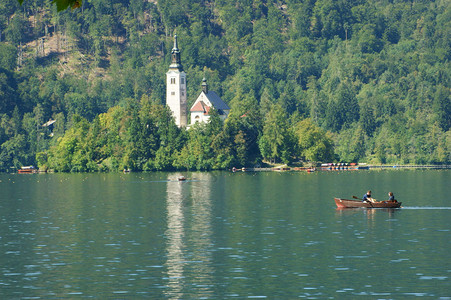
176,88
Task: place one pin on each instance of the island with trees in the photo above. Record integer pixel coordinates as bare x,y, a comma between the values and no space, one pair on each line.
83,89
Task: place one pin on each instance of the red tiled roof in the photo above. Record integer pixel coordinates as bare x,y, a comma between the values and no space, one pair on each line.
199,106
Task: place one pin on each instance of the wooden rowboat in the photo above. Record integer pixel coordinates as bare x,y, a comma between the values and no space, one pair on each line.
346,203
27,170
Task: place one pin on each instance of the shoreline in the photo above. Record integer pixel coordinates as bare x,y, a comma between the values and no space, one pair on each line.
344,168
270,169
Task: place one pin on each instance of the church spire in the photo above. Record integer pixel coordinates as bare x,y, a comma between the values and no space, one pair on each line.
176,62
176,88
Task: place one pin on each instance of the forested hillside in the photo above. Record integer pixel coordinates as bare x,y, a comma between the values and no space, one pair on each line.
311,80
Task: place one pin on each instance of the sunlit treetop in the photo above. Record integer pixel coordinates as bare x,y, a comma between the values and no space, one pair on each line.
63,4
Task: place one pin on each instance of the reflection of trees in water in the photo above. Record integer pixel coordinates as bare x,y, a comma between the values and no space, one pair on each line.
189,227
199,234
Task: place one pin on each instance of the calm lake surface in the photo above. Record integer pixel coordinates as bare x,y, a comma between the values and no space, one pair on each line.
224,235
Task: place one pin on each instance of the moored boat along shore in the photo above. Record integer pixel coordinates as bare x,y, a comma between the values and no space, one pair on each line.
410,166
344,168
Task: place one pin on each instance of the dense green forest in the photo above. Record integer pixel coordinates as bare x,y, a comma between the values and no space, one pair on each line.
307,80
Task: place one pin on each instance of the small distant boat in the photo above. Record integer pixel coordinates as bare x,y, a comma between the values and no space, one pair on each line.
27,170
182,178
346,203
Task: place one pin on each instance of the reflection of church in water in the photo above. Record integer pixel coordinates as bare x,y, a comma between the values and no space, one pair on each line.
189,218
176,96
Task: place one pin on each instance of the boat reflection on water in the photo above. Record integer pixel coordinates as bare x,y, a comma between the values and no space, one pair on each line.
367,210
175,238
191,201
370,213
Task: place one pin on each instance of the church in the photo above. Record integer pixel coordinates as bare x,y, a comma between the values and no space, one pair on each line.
176,95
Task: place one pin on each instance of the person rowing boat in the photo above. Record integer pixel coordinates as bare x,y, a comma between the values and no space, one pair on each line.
367,198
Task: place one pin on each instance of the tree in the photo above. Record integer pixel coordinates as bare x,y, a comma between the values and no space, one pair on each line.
17,30
343,108
8,90
367,40
244,126
70,154
367,120
12,154
8,57
63,4
351,144
442,107
314,143
275,140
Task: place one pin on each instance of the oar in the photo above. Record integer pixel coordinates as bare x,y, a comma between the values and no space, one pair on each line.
371,204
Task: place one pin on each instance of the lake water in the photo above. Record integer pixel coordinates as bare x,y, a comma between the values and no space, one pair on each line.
222,235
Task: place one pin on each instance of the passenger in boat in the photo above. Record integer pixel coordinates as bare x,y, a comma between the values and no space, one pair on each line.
367,197
391,197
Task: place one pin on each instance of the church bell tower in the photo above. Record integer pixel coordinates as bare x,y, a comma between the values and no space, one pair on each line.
176,88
